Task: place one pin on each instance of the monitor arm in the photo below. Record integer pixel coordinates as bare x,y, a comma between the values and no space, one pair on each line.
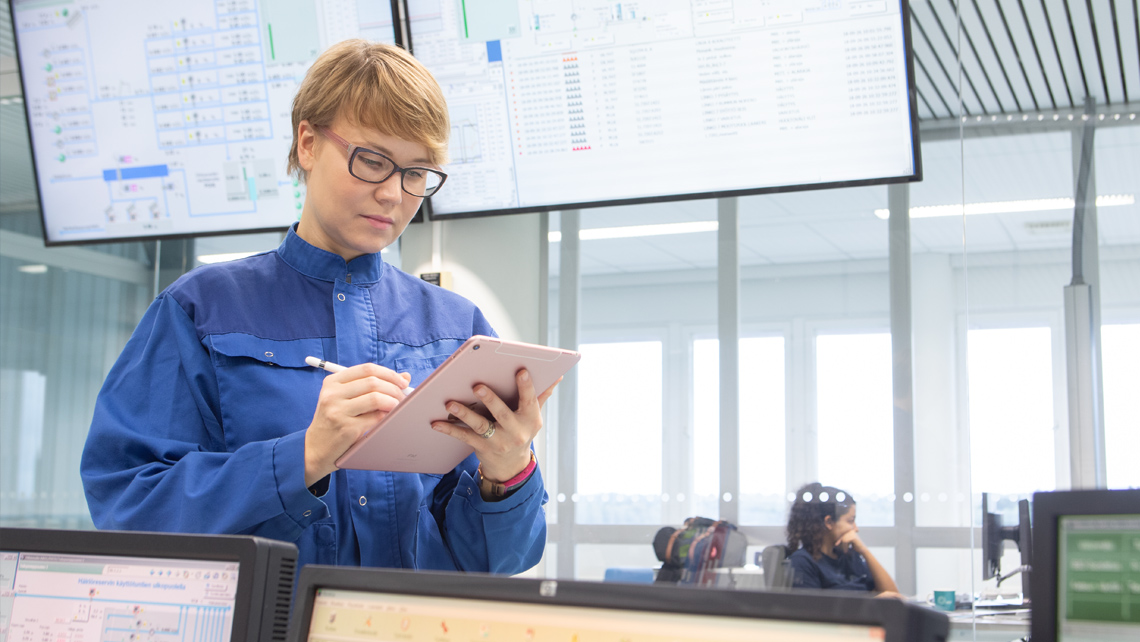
1023,568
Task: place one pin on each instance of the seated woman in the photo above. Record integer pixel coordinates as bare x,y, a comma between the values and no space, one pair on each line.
826,550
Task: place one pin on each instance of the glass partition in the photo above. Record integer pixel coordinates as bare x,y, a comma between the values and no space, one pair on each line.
1035,84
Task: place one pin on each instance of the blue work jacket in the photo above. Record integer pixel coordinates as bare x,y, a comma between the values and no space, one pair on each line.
200,425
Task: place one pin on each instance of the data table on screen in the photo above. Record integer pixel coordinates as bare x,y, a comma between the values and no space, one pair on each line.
585,103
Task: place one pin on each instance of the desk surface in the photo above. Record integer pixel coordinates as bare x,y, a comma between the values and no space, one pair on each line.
989,625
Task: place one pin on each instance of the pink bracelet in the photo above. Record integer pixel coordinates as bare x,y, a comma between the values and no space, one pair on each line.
524,475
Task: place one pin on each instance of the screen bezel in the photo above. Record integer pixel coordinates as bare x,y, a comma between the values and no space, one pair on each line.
915,152
211,548
822,607
398,37
1048,509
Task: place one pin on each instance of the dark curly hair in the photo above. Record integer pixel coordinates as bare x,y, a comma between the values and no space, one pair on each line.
814,502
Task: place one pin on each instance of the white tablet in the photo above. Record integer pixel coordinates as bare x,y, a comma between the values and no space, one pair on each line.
405,442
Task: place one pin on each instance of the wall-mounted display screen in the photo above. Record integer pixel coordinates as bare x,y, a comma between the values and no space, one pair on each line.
578,103
156,119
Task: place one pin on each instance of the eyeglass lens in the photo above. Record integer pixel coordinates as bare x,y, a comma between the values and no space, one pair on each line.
374,168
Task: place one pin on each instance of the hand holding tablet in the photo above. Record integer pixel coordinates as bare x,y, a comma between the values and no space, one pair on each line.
501,441
420,433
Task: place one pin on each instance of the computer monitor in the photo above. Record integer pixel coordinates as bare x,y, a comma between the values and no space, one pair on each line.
170,119
562,104
348,605
116,586
1086,566
994,535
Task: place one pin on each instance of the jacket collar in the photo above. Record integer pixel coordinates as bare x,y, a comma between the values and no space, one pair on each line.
326,266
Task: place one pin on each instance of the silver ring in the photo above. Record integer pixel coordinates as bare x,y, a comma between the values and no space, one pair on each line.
490,431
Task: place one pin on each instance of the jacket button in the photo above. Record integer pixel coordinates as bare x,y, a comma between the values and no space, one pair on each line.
307,513
363,500
340,297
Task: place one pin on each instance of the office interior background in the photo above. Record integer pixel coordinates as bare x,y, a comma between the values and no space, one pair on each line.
916,361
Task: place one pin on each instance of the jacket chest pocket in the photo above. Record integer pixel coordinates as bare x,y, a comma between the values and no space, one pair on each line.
265,387
420,367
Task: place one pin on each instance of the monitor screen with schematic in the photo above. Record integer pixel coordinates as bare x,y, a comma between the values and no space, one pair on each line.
121,586
162,119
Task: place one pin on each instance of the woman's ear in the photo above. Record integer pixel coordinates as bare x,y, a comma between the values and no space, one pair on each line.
306,145
829,522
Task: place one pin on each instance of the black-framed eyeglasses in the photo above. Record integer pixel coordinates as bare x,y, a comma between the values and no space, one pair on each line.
373,167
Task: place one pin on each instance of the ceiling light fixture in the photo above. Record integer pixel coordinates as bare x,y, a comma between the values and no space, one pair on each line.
1009,207
634,231
33,269
221,258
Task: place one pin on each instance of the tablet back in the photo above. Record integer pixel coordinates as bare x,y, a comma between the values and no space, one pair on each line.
405,442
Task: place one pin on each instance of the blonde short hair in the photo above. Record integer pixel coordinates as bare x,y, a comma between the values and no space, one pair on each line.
377,86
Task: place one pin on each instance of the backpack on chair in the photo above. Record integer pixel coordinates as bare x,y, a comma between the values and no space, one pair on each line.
692,553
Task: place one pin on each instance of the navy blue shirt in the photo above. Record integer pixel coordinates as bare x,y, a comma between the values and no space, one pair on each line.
848,572
200,425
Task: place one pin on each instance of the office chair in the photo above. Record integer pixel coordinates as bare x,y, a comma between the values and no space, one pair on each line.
778,570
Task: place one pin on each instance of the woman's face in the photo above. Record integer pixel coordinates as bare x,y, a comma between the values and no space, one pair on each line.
843,525
343,214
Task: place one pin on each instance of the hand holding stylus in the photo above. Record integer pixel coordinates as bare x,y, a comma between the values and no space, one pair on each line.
329,366
352,401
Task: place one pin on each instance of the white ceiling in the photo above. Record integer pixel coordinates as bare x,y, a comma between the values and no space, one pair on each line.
840,224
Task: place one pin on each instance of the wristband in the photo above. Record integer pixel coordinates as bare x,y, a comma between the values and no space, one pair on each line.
502,489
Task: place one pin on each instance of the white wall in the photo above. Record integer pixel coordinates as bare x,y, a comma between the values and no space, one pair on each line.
493,262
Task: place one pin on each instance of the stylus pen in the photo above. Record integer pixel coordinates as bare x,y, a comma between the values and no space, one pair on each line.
329,366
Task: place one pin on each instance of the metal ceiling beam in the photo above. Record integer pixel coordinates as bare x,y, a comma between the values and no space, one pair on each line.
1025,123
970,41
993,47
1057,51
957,55
1076,47
1037,52
1017,54
1099,57
938,59
949,111
1119,50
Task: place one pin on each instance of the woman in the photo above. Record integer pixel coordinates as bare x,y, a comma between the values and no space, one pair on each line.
203,424
827,552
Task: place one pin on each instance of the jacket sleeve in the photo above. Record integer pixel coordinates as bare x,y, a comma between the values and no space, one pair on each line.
507,536
156,456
